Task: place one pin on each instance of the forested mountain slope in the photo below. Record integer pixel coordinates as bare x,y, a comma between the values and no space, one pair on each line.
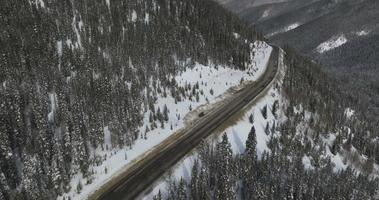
341,35
68,69
300,141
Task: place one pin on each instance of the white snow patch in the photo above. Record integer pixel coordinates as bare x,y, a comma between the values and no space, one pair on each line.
80,25
362,32
41,3
266,13
332,43
147,18
307,163
349,112
236,35
53,105
60,53
38,3
108,2
75,27
339,165
134,16
292,26
69,43
59,48
285,29
329,139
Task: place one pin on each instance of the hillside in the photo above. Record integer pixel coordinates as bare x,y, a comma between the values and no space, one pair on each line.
88,86
341,35
301,140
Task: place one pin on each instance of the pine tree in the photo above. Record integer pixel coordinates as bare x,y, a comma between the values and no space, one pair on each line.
264,112
158,196
57,170
195,181
250,164
203,182
182,191
30,173
225,171
251,118
165,113
4,188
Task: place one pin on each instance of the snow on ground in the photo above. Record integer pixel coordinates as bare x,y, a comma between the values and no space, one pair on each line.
349,112
216,78
362,32
285,29
59,48
337,159
236,35
39,3
108,2
237,133
53,105
147,18
332,43
307,163
356,160
134,16
265,14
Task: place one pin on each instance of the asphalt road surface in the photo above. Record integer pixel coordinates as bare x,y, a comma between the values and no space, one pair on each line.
145,171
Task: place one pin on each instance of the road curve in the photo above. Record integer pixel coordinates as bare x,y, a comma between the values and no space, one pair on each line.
145,171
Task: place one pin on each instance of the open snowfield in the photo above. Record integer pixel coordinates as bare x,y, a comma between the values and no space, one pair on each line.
213,81
331,44
285,29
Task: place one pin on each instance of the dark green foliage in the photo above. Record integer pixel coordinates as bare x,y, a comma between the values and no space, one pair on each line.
307,85
278,176
251,118
281,173
264,112
249,168
70,68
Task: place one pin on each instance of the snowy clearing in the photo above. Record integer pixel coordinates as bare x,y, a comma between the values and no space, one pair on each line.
285,29
362,32
349,112
331,44
213,81
266,13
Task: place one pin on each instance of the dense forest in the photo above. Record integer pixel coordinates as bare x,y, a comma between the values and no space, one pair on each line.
317,128
70,68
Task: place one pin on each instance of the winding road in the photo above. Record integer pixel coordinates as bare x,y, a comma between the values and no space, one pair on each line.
130,184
